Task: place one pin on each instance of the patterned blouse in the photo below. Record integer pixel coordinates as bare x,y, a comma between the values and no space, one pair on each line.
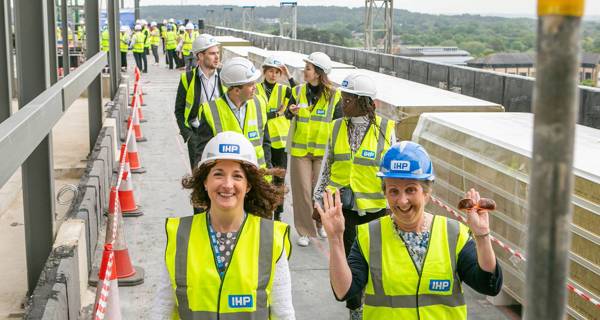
416,243
226,245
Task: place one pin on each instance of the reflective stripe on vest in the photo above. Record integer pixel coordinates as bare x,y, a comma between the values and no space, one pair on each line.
190,98
219,116
394,280
138,46
279,126
359,170
201,293
124,45
313,126
155,37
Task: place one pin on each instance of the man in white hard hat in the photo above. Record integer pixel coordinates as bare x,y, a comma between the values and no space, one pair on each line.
197,86
146,32
124,46
136,44
186,46
239,110
154,40
163,36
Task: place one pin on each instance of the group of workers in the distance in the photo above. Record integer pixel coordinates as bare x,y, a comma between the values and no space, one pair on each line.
351,183
175,38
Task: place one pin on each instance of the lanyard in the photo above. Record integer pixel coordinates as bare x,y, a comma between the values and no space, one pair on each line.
203,85
215,246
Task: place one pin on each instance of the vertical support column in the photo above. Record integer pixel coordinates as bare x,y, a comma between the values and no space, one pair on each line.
555,102
37,170
64,18
113,23
5,54
136,9
95,87
51,23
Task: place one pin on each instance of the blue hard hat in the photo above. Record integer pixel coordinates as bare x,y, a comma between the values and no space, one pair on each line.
406,160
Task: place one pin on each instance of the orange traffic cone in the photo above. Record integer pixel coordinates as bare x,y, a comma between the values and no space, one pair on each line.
137,130
107,295
135,164
126,197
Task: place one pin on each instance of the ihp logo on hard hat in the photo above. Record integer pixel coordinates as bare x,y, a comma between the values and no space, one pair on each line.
229,148
345,83
400,165
439,285
240,301
368,154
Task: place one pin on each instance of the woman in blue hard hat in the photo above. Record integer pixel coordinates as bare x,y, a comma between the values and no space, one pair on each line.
410,263
231,261
356,144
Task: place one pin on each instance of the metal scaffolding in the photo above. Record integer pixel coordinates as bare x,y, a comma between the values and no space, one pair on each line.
288,19
376,11
248,18
227,11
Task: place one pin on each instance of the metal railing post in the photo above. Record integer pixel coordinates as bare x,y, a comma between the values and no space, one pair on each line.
95,88
555,102
37,170
136,5
5,54
64,19
113,23
52,57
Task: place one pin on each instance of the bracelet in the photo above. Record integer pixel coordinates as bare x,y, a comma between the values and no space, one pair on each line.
481,235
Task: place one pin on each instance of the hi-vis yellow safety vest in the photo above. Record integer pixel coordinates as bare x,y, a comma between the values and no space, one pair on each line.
146,33
396,290
244,292
105,43
279,126
188,40
138,46
188,79
313,123
155,37
124,44
358,171
220,118
170,40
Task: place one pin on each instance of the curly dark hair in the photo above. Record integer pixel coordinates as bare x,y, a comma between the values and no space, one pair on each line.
261,200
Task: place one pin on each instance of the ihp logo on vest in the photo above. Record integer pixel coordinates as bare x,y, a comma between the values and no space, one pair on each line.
252,135
399,165
240,301
368,154
229,148
439,285
320,112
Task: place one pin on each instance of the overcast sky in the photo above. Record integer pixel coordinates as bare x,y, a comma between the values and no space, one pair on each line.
500,7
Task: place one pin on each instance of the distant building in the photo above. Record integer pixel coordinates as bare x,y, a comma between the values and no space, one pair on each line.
523,64
446,55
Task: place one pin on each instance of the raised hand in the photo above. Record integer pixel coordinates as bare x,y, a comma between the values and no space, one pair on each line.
331,214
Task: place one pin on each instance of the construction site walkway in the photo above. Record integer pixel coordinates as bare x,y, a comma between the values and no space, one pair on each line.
160,194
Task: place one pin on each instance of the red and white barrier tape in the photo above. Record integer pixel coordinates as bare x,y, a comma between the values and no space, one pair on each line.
105,291
512,251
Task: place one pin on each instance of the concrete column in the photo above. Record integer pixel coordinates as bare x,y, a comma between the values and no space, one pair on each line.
95,88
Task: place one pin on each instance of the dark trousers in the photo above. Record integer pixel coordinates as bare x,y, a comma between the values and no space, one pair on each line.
123,59
170,58
279,160
139,59
155,53
145,59
178,61
352,219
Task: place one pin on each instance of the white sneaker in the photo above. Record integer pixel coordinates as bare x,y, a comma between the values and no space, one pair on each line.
321,232
303,241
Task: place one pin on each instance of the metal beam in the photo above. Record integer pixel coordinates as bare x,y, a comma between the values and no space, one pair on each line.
555,102
37,170
113,29
64,18
5,54
136,5
95,87
51,43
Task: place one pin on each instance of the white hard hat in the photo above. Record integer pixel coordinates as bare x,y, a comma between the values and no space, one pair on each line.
171,20
189,26
164,21
238,71
144,22
138,21
153,24
124,29
203,42
272,61
320,60
137,27
360,85
229,145
181,28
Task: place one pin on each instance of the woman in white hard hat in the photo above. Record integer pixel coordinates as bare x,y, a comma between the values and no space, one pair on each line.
249,276
313,107
154,40
356,144
410,263
277,96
